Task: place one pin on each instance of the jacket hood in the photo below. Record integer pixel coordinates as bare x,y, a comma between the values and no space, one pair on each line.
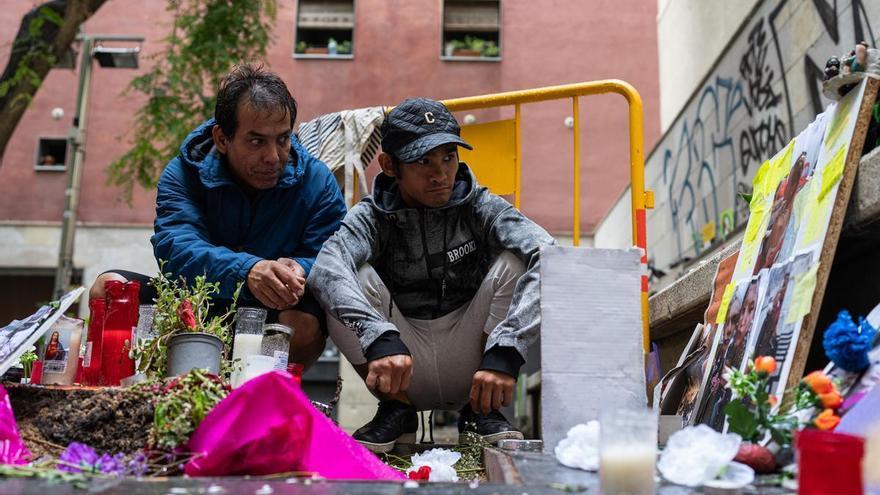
386,194
198,151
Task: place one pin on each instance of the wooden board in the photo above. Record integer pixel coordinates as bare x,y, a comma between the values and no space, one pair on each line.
829,247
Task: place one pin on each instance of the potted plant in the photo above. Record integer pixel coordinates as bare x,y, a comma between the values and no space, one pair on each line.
464,48
301,47
316,50
186,335
344,48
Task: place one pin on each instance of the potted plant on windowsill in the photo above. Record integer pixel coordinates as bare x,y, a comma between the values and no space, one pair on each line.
186,335
316,50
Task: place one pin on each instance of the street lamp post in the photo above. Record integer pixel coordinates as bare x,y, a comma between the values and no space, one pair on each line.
107,57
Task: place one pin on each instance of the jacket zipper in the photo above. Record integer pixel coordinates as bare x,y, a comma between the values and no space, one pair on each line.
427,261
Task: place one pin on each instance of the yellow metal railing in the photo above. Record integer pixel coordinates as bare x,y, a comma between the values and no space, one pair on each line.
641,199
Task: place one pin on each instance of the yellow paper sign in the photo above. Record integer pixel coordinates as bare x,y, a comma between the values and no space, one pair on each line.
817,214
756,221
725,303
708,232
760,182
833,171
780,167
802,296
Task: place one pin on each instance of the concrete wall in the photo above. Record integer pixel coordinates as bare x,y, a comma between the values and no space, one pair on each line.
763,90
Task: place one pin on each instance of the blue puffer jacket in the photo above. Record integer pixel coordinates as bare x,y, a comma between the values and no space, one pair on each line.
205,224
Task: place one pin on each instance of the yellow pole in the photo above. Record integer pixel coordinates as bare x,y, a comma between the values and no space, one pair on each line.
517,157
641,199
576,232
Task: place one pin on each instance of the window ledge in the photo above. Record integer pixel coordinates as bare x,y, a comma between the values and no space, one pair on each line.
306,56
446,58
50,168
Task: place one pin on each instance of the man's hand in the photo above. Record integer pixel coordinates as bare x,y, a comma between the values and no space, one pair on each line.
293,265
491,390
390,374
276,285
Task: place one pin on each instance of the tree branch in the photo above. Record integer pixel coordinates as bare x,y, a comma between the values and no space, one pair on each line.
44,36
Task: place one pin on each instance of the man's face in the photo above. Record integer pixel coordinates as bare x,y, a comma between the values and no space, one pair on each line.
427,182
748,310
260,147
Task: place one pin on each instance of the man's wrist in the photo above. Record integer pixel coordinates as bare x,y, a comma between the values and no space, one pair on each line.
502,359
388,344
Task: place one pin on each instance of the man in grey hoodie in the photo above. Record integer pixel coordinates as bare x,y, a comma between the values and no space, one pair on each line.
431,284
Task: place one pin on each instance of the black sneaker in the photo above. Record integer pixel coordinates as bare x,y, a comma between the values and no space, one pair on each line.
393,422
492,427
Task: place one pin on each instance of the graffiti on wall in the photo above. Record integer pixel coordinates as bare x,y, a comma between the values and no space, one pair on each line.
741,116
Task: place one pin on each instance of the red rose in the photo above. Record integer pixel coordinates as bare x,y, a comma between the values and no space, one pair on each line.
185,312
422,474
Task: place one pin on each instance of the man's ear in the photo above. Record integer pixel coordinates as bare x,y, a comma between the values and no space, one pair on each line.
220,139
387,165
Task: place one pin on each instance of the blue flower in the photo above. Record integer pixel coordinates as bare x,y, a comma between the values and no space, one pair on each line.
847,344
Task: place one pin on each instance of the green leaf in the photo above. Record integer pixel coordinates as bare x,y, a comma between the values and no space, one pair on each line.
51,16
741,420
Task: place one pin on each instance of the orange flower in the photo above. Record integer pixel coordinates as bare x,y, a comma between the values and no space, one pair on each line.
819,382
765,364
831,400
827,420
772,400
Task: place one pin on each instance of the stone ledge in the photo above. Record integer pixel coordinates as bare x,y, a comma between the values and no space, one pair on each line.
678,307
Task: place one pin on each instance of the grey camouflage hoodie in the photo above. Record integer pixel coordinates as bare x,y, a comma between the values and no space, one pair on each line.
432,260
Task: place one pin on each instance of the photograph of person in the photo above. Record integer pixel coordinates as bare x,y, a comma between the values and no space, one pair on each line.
55,350
782,231
694,373
731,348
786,332
763,341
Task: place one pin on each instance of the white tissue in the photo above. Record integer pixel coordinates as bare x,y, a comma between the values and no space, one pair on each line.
440,461
698,454
580,448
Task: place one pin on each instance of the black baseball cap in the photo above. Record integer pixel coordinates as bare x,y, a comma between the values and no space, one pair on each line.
417,126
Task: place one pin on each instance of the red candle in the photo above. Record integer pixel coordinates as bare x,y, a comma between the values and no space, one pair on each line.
120,318
115,361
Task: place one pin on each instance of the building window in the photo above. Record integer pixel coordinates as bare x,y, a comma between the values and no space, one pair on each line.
471,29
324,29
51,154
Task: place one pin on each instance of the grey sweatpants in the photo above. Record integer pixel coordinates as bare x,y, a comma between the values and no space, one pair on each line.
446,351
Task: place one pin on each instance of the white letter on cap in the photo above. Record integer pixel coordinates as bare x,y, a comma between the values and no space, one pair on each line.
429,117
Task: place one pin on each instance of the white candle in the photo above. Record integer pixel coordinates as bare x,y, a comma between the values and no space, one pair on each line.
244,345
256,365
627,469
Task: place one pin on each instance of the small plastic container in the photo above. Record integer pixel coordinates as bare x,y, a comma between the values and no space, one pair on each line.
829,463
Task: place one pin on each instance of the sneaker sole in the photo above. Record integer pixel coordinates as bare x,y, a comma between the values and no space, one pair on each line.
495,437
383,448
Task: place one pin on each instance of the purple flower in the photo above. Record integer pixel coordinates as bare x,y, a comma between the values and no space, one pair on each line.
78,457
111,465
137,466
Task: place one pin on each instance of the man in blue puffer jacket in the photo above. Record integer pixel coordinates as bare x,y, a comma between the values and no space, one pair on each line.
243,202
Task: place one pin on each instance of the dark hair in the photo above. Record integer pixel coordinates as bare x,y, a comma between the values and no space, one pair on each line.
256,86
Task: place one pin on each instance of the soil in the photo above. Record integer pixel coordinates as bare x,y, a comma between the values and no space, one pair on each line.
109,419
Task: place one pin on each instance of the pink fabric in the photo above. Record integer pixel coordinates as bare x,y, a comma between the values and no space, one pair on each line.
269,426
12,448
